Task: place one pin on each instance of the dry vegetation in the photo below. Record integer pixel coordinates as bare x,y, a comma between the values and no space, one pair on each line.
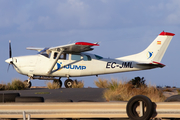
53,85
178,91
102,83
78,84
16,84
123,91
168,90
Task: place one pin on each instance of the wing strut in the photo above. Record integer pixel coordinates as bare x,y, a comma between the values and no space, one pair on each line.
55,61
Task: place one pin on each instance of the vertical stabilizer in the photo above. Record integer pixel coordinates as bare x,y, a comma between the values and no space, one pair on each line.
155,51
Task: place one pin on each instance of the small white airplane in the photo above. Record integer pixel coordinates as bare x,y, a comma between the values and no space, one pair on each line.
72,61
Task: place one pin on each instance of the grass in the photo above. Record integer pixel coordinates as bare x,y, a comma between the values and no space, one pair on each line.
78,84
53,85
2,86
168,90
178,91
123,91
102,83
16,84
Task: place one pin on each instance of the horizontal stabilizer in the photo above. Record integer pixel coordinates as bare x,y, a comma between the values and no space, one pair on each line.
154,64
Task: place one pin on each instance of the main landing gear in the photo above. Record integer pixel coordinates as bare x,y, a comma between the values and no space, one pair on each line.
68,82
59,82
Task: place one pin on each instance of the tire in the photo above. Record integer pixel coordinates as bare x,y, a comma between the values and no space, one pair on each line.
133,102
28,84
59,82
8,97
68,83
58,100
174,98
25,99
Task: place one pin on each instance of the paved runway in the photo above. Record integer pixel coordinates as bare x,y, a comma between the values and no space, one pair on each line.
75,94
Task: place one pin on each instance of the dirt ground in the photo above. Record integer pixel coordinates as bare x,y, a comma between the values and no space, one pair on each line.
169,94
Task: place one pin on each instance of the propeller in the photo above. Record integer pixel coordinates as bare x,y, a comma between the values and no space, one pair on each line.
10,60
10,55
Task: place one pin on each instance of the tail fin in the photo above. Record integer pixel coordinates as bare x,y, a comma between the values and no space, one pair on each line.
154,52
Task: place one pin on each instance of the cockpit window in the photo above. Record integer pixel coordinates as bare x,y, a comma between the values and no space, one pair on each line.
86,58
63,56
46,53
98,57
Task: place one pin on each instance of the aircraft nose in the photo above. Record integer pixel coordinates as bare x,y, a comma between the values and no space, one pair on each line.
9,60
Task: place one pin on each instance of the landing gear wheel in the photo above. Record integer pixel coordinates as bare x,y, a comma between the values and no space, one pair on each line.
68,83
27,84
59,82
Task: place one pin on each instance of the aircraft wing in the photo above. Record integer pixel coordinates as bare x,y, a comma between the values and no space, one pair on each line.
153,64
69,48
34,48
75,47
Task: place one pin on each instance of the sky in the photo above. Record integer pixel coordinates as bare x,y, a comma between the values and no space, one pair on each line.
122,27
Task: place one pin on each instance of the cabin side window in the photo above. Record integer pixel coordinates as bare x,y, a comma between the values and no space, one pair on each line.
86,58
75,57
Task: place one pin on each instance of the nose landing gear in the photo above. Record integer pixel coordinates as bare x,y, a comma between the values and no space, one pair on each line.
27,83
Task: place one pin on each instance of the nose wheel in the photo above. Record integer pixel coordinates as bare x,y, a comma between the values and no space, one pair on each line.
68,83
27,84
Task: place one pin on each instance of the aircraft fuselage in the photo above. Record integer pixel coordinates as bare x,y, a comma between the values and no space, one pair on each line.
83,64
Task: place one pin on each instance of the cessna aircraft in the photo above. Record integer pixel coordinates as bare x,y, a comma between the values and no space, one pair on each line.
72,61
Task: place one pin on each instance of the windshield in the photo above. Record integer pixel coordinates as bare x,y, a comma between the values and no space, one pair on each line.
98,57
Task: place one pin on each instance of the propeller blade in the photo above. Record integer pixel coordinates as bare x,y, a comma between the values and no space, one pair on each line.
10,56
10,51
8,67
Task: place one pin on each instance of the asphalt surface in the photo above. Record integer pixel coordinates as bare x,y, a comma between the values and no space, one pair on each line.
74,94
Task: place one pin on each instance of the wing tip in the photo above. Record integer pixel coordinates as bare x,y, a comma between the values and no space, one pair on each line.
86,43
